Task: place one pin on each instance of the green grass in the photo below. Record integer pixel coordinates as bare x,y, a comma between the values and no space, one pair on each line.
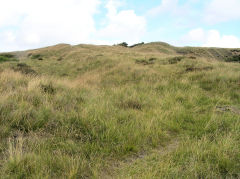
111,112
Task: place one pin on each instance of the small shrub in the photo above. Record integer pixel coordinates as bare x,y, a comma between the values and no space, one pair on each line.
183,51
152,59
131,104
191,69
24,68
136,45
235,50
235,58
60,59
37,56
3,59
175,60
7,57
48,88
192,57
123,44
64,74
146,62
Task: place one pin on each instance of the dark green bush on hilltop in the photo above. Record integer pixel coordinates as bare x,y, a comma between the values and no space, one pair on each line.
6,57
235,58
138,44
123,44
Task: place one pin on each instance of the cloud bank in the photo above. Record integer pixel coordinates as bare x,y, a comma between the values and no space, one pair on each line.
221,11
32,23
210,38
29,24
122,25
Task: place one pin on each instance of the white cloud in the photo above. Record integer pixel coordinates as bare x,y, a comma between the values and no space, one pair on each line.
196,35
9,37
177,13
35,23
211,38
214,39
174,8
211,11
222,10
165,6
122,25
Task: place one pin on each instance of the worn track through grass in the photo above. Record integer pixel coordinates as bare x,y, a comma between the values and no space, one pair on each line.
112,172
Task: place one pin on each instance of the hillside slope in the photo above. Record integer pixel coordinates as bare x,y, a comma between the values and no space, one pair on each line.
151,111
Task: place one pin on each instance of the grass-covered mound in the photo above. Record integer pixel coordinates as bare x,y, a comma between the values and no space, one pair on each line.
115,112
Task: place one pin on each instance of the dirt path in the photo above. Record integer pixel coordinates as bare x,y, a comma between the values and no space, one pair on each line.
112,172
232,109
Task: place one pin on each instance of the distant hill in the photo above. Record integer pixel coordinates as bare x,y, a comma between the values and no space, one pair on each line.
154,47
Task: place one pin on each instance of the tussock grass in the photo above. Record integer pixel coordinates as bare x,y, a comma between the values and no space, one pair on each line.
80,116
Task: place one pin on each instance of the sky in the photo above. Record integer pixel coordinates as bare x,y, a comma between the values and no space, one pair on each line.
28,24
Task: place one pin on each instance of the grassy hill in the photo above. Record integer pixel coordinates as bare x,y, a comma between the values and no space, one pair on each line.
149,111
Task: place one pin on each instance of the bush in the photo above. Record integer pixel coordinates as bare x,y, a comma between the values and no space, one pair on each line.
123,44
37,56
175,60
146,62
7,57
24,68
192,69
131,104
136,45
3,59
235,58
48,88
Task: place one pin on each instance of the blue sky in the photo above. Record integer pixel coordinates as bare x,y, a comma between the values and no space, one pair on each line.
30,24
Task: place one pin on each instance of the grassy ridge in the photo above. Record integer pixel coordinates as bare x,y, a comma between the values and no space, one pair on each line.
85,108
